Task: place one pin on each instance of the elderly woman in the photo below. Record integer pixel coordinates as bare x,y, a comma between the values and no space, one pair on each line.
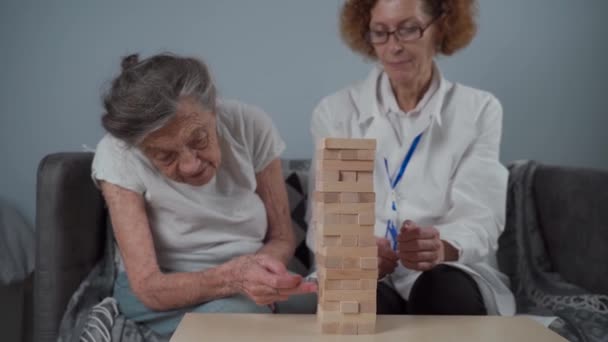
195,194
440,188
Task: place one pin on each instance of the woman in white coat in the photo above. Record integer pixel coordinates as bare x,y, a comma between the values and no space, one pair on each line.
440,188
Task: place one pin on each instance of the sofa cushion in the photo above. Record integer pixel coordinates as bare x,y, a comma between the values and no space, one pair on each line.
572,206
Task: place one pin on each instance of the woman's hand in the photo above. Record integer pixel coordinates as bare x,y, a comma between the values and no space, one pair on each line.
265,280
387,258
421,249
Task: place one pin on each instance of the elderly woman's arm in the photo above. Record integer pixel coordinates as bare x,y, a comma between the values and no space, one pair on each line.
280,240
260,277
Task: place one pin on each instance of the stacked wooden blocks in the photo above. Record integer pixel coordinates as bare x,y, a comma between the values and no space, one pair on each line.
346,252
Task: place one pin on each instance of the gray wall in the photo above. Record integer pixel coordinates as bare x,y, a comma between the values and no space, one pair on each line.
542,58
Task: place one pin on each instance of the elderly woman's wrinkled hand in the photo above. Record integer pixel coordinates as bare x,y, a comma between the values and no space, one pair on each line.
265,280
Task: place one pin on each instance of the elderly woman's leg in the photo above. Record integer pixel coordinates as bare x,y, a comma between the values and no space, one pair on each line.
161,322
165,322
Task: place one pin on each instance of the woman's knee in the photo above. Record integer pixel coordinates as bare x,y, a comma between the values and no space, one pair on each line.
446,290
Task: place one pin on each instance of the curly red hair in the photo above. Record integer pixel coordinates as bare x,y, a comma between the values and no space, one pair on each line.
456,30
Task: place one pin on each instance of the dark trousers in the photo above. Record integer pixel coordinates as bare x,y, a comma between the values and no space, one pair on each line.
444,290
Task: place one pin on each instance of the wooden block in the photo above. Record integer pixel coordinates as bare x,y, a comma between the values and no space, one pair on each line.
368,284
349,251
327,219
365,177
351,262
367,306
369,197
366,219
348,144
352,219
320,312
366,328
343,187
332,284
349,307
333,274
367,263
349,240
351,155
366,155
327,197
358,295
348,197
354,197
343,197
334,262
349,219
325,241
347,154
328,175
345,208
348,328
328,241
328,306
329,261
349,285
366,182
344,229
328,316
367,240
347,176
322,154
345,165
320,292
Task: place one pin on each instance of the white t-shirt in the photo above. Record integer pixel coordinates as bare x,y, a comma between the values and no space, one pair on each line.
196,228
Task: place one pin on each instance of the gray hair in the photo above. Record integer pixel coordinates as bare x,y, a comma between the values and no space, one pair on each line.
144,97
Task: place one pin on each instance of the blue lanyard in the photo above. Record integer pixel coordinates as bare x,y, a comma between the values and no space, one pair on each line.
391,227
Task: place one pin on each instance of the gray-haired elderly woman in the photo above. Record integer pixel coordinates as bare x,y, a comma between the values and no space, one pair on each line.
195,194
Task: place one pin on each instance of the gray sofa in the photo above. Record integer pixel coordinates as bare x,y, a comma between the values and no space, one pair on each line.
71,227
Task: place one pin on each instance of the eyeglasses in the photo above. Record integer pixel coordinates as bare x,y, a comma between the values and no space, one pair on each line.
406,33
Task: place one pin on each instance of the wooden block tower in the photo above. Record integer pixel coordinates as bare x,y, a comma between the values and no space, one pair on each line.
346,252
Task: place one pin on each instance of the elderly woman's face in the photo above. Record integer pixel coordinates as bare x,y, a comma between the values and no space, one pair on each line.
404,61
186,149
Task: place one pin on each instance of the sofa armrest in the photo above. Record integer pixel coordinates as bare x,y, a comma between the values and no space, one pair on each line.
70,235
572,210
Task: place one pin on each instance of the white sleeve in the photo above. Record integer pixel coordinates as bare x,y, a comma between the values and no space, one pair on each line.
320,127
478,192
115,163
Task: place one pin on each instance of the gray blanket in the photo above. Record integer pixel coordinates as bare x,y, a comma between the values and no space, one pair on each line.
92,315
523,257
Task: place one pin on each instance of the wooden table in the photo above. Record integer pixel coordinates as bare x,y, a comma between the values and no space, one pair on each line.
296,328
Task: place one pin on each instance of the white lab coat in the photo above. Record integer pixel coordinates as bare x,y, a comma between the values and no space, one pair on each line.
454,180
